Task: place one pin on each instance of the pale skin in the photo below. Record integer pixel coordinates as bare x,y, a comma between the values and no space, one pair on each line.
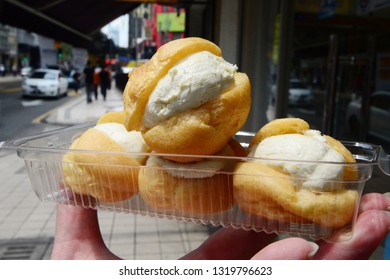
78,236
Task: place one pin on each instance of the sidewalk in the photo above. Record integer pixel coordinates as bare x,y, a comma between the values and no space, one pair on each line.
78,111
27,226
10,78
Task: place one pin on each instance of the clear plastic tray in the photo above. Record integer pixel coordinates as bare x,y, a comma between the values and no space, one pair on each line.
43,155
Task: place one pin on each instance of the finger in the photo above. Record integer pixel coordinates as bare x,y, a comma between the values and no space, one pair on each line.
229,243
76,223
375,201
78,235
288,249
370,230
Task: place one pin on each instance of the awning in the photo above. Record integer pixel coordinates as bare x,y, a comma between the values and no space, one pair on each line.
72,21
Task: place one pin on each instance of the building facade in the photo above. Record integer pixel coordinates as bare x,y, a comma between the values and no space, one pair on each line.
8,46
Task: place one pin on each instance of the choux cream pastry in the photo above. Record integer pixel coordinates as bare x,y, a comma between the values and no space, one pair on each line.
186,99
189,189
115,117
97,163
289,184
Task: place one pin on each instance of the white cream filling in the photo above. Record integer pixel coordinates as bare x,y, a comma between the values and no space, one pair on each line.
131,141
193,81
321,167
201,169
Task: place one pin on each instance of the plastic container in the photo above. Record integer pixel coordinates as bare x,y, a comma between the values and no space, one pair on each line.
43,155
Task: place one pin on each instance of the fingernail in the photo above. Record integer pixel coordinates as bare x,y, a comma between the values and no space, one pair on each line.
314,251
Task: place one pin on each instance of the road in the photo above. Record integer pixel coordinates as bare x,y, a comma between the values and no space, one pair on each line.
21,116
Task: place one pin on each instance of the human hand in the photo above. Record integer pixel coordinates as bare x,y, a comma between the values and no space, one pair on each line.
78,237
371,228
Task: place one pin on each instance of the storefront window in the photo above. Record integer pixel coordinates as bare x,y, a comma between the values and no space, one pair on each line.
353,71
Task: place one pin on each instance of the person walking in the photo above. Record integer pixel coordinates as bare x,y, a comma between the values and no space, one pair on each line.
88,78
14,69
105,81
76,80
96,83
2,70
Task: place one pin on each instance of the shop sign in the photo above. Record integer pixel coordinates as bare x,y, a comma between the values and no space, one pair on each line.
171,22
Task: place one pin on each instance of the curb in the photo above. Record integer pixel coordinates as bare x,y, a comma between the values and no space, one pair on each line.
43,118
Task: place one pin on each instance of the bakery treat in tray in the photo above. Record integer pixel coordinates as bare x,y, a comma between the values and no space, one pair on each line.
261,199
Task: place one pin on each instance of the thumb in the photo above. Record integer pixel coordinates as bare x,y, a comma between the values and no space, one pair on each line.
76,223
78,235
288,249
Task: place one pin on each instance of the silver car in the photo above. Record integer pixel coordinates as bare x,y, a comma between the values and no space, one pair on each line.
45,83
379,125
26,71
299,94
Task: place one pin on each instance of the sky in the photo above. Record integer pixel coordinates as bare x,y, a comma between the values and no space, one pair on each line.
118,31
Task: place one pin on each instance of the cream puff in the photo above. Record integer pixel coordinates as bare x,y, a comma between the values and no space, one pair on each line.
296,174
187,99
115,117
104,162
190,189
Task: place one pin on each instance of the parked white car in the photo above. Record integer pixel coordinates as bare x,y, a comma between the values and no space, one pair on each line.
299,94
45,83
379,124
25,71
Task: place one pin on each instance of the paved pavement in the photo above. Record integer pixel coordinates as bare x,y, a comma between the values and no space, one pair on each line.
27,225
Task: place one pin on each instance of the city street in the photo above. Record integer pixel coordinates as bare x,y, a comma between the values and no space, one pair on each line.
22,116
